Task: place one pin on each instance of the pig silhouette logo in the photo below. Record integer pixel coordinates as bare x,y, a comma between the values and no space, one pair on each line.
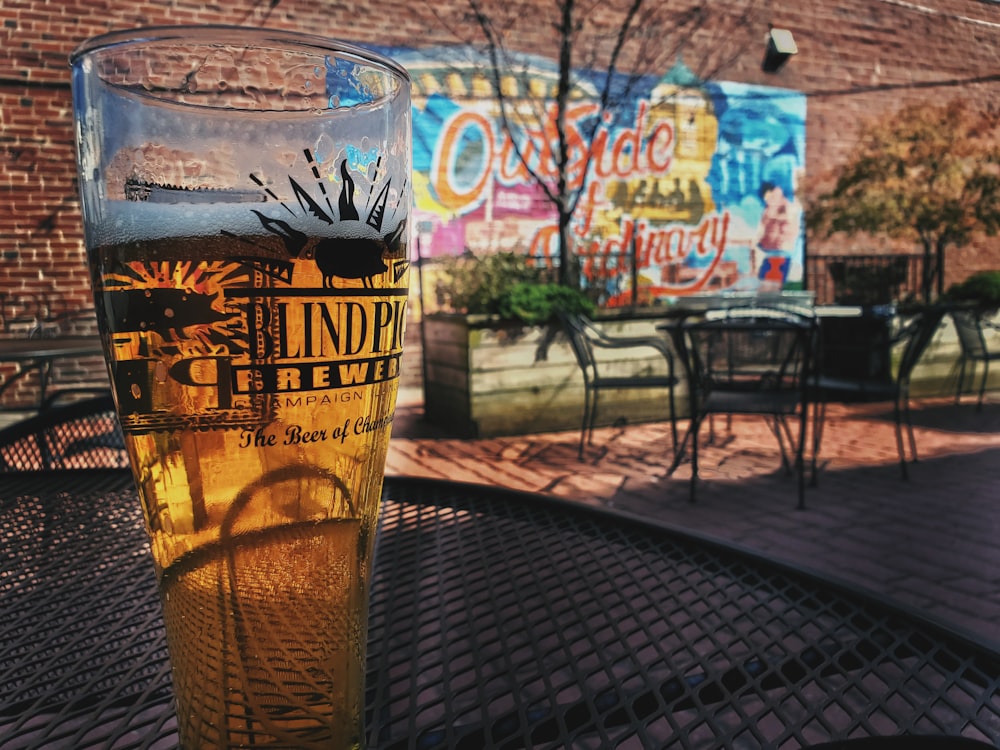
174,304
361,251
166,312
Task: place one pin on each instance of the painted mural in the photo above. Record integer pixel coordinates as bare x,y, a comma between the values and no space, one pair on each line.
691,189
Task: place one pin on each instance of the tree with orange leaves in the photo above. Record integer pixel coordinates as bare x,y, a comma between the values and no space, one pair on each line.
927,173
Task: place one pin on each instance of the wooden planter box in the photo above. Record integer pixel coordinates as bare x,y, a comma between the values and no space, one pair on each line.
485,377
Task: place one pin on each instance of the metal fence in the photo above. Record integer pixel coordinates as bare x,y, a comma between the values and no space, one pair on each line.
865,279
856,279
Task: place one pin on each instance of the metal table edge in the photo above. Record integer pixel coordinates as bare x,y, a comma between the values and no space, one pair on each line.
396,484
989,648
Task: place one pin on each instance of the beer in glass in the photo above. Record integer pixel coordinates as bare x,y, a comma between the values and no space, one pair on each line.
246,196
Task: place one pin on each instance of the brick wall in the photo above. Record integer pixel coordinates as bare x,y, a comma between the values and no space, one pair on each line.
857,58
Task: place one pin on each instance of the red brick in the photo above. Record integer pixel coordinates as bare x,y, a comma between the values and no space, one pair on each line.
858,59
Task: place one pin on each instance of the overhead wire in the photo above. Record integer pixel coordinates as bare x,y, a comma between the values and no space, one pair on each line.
941,13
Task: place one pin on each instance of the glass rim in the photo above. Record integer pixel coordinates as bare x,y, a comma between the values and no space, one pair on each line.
223,33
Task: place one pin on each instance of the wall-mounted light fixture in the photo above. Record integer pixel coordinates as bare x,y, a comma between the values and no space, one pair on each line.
780,46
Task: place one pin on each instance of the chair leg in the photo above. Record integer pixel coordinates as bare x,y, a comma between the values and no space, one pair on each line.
909,428
46,446
800,459
782,431
961,380
982,384
899,439
585,422
593,417
692,493
679,451
774,424
819,422
673,417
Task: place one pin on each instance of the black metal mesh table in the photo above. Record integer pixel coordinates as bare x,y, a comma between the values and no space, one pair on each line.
497,620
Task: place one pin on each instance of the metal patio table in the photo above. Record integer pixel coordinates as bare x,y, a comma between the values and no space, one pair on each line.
41,349
498,620
40,353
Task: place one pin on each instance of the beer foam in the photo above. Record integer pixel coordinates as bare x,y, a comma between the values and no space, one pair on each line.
139,221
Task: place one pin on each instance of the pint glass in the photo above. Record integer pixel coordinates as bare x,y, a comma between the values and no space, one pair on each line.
245,197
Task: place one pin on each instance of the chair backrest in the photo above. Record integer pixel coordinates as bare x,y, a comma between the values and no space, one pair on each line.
752,350
577,330
83,434
970,333
917,335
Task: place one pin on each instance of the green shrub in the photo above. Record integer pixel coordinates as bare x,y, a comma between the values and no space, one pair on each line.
507,285
981,289
478,285
539,303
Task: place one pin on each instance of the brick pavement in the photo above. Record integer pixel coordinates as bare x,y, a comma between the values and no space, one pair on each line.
931,543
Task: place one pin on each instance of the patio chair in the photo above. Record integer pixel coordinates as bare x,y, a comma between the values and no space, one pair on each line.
587,341
82,434
969,325
914,339
750,360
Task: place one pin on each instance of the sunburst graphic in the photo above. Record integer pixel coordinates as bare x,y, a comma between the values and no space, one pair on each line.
361,252
178,301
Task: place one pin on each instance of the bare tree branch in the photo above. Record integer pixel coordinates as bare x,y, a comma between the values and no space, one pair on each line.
619,43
